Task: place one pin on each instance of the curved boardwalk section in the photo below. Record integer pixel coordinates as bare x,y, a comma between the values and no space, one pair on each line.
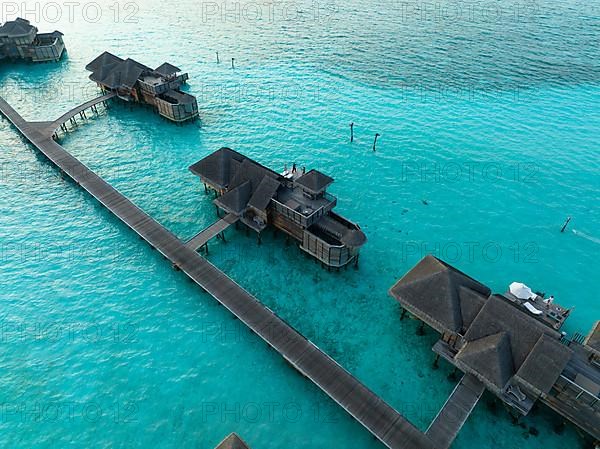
372,412
79,109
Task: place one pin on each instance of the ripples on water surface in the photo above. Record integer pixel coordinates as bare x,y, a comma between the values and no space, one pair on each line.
488,114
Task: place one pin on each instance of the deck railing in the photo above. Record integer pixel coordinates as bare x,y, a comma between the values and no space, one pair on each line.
564,384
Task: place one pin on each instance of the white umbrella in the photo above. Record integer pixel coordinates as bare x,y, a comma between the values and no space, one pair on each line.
521,291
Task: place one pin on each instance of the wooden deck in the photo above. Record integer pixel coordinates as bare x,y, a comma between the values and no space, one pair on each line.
212,231
385,423
446,425
575,394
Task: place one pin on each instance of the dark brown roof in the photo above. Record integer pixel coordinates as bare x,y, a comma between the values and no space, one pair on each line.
236,200
262,195
504,341
125,74
314,181
16,28
216,168
499,315
114,73
167,69
544,364
232,442
104,60
251,171
490,357
226,168
440,295
247,182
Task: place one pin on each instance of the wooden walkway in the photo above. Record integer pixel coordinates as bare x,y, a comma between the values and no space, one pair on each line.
79,109
446,425
212,231
385,423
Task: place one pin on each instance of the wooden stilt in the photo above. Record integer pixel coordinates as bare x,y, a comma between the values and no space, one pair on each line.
453,375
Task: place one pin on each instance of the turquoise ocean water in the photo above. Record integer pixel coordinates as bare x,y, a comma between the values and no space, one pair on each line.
489,117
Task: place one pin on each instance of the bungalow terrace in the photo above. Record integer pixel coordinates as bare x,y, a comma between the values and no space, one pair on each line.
135,82
21,40
508,346
295,202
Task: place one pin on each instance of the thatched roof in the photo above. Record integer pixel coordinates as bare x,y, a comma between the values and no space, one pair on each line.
216,168
543,365
167,69
226,168
440,295
114,73
247,182
499,315
125,74
106,59
16,28
253,172
232,442
235,200
314,181
490,357
262,195
510,342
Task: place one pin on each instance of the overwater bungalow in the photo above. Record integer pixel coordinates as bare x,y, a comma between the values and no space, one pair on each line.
518,355
21,40
295,202
137,83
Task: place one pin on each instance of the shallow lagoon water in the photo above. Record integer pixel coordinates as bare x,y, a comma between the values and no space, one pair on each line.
488,142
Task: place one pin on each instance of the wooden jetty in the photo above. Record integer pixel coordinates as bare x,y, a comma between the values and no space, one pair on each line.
446,425
201,239
379,418
515,354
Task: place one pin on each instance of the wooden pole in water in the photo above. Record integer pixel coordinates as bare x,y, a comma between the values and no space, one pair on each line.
352,132
565,225
218,58
375,141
